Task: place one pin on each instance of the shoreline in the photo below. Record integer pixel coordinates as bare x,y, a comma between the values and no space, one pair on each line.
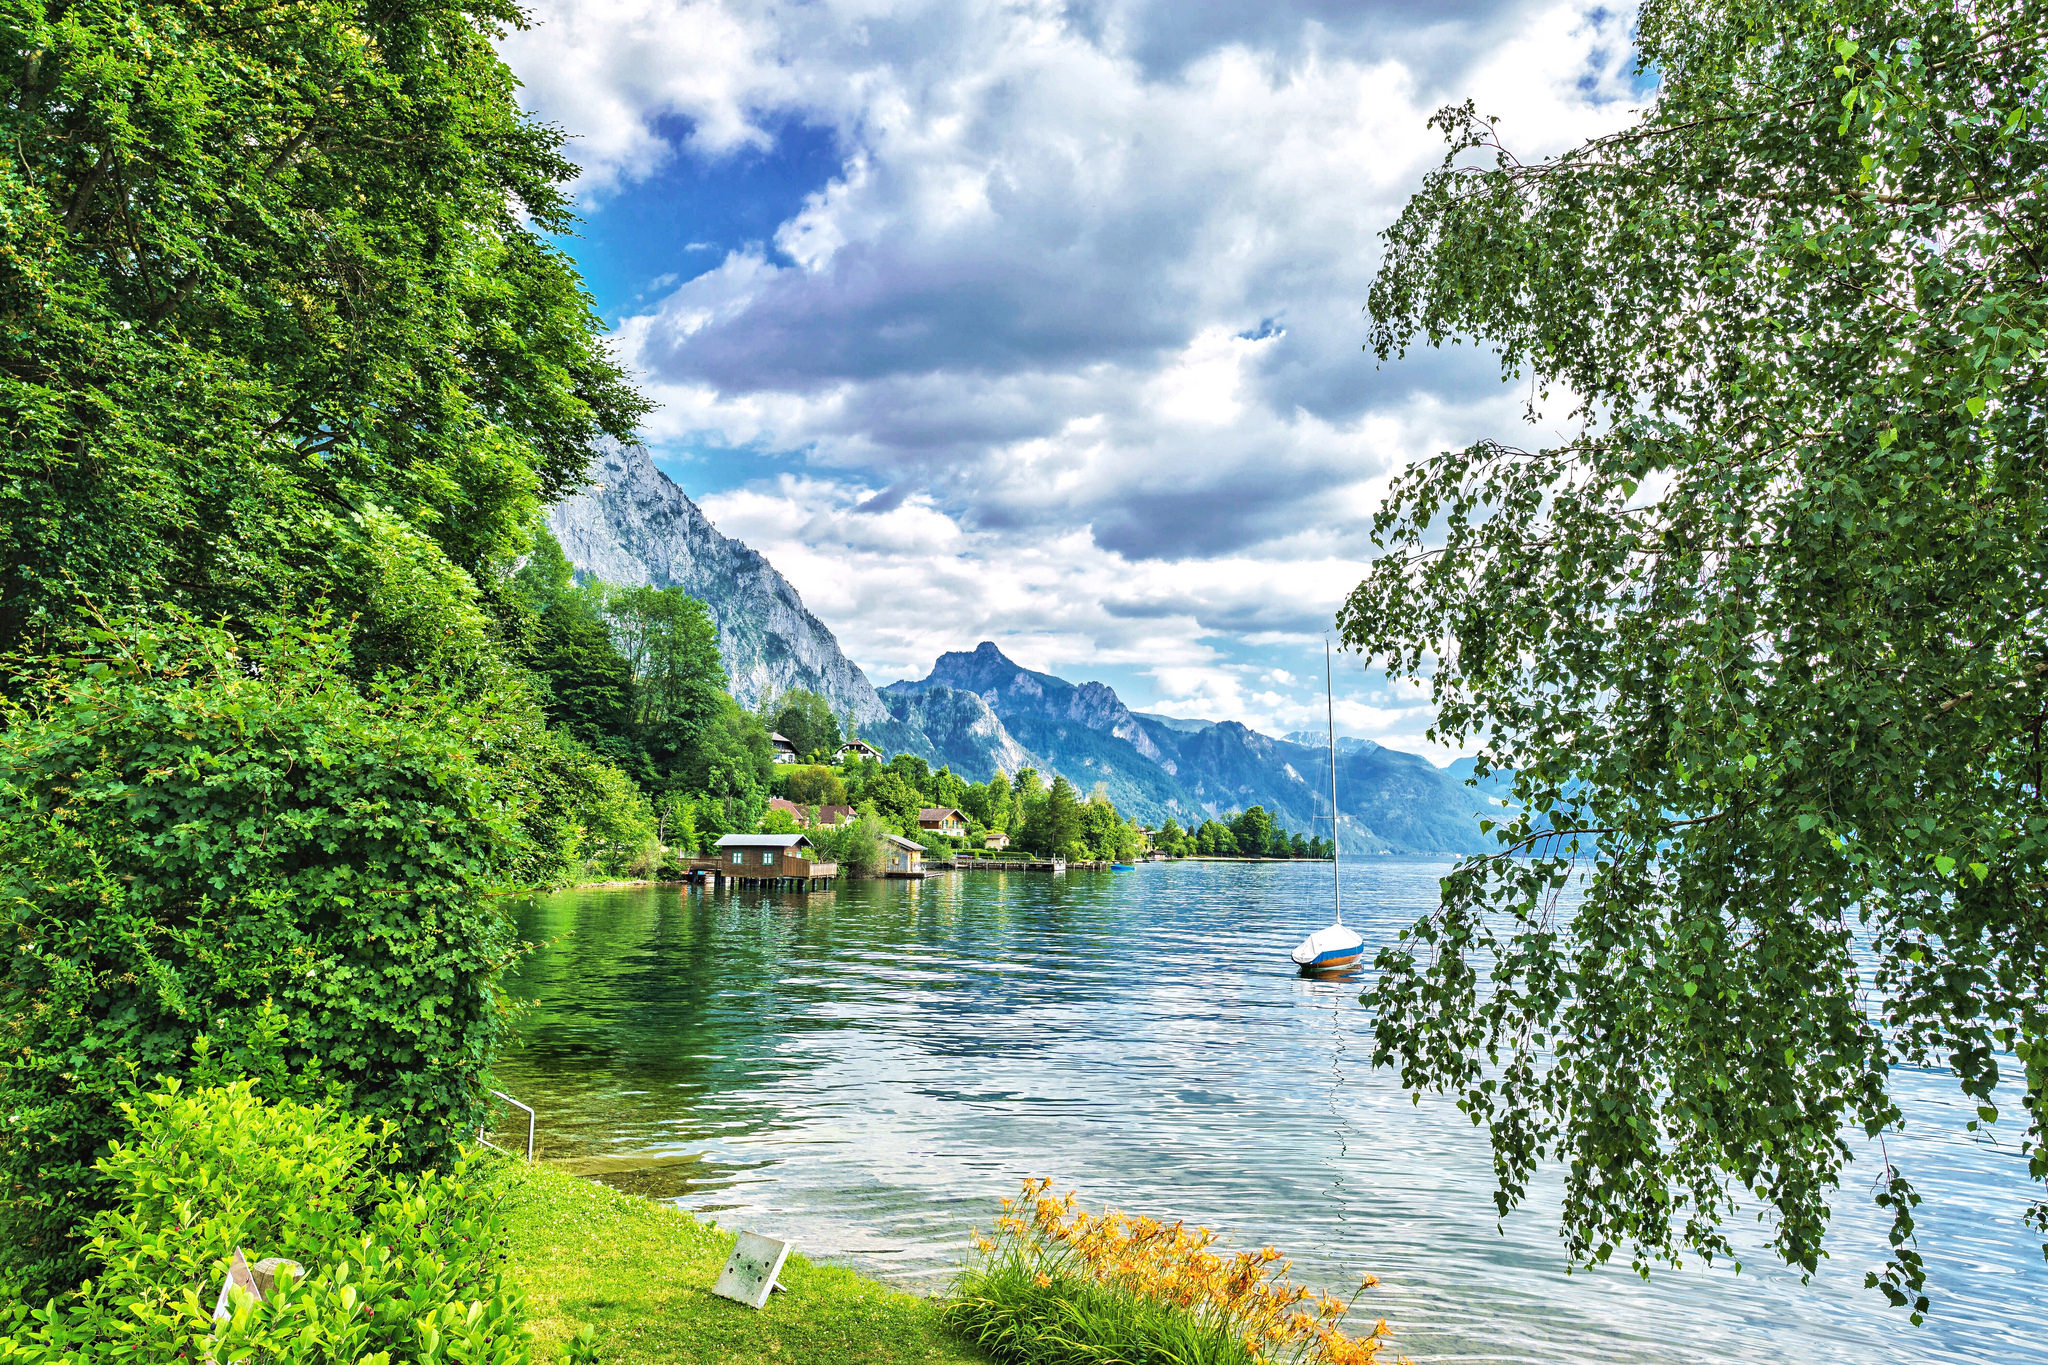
639,1273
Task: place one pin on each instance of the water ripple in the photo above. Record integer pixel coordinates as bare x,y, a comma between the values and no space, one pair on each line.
867,1070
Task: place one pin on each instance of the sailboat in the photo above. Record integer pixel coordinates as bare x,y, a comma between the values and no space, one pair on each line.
1336,948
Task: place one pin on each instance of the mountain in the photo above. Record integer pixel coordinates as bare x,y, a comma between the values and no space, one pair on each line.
1156,767
1313,739
1180,723
960,731
979,711
630,524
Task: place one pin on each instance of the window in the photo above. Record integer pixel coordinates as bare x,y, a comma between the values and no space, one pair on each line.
767,857
738,857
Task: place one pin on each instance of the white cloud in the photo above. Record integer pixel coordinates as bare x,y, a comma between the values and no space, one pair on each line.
1079,322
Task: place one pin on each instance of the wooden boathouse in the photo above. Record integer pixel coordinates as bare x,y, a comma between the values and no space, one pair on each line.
785,860
905,858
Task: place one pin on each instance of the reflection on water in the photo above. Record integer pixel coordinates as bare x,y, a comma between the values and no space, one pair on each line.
866,1070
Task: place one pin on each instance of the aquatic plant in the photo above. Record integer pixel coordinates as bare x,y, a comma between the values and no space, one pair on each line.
1058,1285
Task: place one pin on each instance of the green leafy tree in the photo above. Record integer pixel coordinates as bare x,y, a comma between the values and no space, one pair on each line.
730,767
1057,826
810,785
1170,838
895,798
1099,828
1253,832
676,815
998,808
668,639
859,846
915,772
265,273
193,824
1214,840
590,685
806,720
1761,639
947,788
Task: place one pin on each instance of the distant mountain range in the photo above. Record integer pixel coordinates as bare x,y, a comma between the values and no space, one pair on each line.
979,711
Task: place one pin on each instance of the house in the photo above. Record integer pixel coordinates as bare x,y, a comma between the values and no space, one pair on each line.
942,820
800,814
785,749
905,858
996,839
831,817
767,857
859,748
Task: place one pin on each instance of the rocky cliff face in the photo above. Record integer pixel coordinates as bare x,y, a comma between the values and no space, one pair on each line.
1154,767
631,524
962,731
1007,686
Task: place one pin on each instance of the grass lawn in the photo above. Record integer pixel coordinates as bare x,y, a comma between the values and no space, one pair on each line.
641,1274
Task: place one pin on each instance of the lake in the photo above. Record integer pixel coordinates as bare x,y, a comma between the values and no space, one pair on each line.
867,1070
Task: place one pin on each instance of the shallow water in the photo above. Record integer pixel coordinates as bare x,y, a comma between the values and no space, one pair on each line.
867,1070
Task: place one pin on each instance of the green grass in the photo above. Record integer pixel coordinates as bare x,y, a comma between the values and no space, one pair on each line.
640,1273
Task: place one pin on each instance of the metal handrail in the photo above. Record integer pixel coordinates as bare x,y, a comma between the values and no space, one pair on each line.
530,1119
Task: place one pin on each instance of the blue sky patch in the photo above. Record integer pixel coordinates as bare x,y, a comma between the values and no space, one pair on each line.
638,243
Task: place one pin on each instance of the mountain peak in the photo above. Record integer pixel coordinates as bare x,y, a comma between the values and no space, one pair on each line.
630,524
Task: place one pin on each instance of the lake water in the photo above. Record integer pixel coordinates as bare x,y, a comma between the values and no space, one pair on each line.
867,1070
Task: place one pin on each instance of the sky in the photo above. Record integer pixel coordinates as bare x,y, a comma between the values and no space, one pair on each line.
1043,323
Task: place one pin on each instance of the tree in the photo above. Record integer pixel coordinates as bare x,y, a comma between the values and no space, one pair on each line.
1214,840
267,272
193,824
806,720
1767,625
857,846
895,798
730,767
1253,831
668,639
590,685
810,785
1000,802
915,772
1099,828
1057,827
1170,838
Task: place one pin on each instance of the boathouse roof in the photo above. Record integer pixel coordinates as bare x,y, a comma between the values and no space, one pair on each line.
762,840
902,842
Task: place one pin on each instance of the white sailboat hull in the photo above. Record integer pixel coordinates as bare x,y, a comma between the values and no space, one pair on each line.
1329,950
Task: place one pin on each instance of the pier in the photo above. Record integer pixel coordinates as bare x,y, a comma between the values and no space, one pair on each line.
789,875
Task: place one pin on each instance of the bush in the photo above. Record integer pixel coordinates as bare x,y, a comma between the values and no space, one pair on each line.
857,846
191,825
1057,1285
405,1265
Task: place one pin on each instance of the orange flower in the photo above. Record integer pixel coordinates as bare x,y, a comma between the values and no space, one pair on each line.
1173,1264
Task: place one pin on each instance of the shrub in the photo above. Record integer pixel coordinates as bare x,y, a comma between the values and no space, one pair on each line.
192,824
856,845
405,1265
1057,1285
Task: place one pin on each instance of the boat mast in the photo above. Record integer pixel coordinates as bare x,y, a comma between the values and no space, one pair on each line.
1330,715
